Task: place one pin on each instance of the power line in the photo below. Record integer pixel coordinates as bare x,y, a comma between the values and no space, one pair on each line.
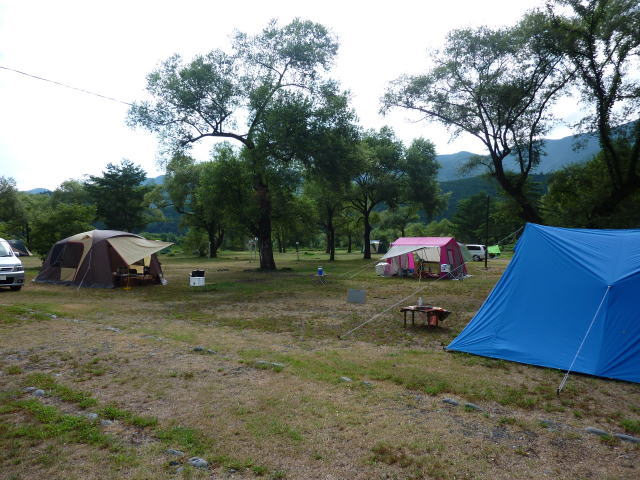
66,86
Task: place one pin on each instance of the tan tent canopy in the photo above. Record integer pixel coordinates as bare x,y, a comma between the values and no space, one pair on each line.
93,259
133,249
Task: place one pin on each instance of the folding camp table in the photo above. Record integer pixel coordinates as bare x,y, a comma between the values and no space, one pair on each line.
432,314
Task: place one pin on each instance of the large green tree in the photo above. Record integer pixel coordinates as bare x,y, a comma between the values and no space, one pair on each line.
119,195
71,191
229,95
497,86
207,194
421,186
577,191
50,221
391,175
328,150
379,178
12,215
600,40
396,220
470,218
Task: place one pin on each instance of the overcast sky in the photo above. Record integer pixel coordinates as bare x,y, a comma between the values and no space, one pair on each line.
49,133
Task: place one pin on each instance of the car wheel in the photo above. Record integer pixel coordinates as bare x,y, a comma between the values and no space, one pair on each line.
15,288
476,258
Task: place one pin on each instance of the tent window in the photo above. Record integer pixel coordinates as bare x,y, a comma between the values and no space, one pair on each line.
450,256
71,255
56,255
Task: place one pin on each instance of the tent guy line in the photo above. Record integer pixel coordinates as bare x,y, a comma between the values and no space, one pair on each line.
510,235
60,84
566,375
355,272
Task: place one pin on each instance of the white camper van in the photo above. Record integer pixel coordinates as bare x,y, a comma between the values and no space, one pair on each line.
478,252
11,269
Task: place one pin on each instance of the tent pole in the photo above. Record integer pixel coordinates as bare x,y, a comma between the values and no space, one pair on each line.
566,375
486,234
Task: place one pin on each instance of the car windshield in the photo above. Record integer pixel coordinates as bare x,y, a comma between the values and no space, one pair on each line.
5,250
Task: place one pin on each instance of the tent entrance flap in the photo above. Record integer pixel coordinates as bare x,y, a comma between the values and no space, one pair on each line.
132,249
428,254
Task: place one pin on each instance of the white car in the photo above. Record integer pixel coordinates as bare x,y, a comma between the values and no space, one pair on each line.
11,269
478,252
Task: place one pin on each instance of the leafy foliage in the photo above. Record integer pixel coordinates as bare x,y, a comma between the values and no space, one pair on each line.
119,196
576,192
495,85
50,221
217,94
209,195
12,215
600,40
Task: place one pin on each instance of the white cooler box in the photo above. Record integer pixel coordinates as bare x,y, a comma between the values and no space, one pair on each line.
196,279
382,268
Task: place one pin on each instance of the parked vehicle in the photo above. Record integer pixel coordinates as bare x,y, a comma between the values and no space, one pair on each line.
478,252
11,269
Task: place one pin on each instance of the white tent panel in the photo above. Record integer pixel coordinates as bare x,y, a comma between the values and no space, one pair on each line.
428,254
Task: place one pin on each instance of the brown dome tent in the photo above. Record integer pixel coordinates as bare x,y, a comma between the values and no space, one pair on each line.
100,259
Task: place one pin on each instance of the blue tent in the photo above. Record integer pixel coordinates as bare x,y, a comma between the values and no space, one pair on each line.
569,299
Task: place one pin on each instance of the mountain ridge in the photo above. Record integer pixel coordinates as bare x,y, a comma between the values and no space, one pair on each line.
558,154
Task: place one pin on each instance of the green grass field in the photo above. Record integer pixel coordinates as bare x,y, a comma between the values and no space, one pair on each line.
249,372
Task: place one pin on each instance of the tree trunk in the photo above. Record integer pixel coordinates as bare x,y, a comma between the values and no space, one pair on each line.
265,245
331,238
214,243
367,237
282,241
529,213
349,242
215,235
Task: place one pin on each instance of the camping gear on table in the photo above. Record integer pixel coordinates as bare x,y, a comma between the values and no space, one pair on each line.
434,250
103,259
432,314
567,300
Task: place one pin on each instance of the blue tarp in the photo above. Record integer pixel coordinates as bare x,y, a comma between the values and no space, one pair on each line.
546,302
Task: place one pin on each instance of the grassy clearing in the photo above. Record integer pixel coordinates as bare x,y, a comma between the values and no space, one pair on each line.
266,395
46,422
19,313
43,381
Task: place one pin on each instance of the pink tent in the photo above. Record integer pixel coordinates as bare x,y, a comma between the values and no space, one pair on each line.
441,250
